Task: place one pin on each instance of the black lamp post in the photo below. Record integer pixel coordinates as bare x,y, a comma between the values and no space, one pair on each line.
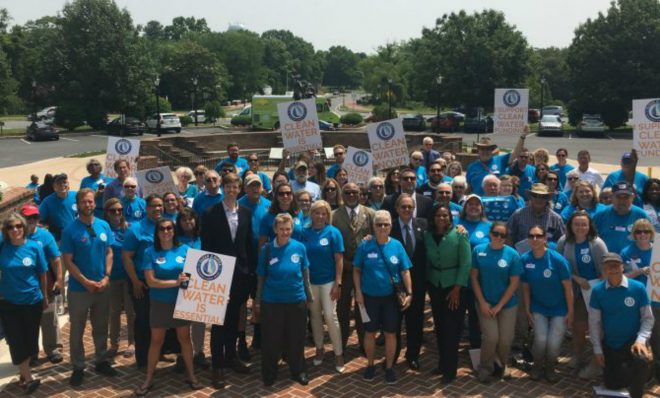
194,82
156,85
542,92
389,98
437,115
34,100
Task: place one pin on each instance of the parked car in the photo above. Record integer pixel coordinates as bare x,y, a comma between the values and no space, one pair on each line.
591,125
130,125
557,110
533,115
477,121
41,130
448,121
325,126
550,125
201,116
47,113
412,122
168,122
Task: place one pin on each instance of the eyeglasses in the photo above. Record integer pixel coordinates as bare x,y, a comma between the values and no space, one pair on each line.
351,193
435,170
383,225
212,179
130,186
376,187
284,193
15,227
497,234
115,210
551,179
643,231
536,236
166,229
329,189
409,178
573,178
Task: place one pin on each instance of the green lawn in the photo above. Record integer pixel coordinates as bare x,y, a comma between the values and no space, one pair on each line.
13,118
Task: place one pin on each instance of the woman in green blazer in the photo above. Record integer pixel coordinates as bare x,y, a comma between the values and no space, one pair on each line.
447,271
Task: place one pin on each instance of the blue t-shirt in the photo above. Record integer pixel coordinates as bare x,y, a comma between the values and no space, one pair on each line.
118,270
166,265
170,216
321,247
266,226
283,272
584,260
478,231
259,210
332,170
134,210
265,181
93,183
203,201
190,193
375,277
309,186
190,242
635,258
34,187
559,202
59,212
615,229
526,176
46,241
561,171
139,237
570,209
496,267
620,310
20,269
638,183
456,211
88,251
422,177
477,170
240,163
544,276
500,208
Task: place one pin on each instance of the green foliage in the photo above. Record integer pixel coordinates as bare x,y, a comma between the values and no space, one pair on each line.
213,111
615,58
69,116
285,55
241,120
382,112
352,118
150,107
186,120
341,68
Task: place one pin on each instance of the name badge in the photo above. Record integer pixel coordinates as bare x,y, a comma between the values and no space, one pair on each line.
620,229
274,260
372,255
481,254
530,266
584,251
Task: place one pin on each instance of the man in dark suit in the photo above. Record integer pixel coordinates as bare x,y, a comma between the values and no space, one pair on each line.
226,228
408,184
409,231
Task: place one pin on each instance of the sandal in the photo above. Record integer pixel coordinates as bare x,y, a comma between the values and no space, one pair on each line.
194,385
142,391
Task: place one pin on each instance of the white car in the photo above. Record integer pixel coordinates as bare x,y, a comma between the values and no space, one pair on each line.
201,116
168,122
44,114
550,124
591,124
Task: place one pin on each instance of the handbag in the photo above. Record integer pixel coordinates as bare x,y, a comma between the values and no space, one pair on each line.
399,289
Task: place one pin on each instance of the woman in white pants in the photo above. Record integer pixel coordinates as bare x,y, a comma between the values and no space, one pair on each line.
325,248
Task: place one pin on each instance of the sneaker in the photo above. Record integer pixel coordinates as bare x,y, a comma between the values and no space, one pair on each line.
390,376
77,377
105,369
590,372
370,373
200,361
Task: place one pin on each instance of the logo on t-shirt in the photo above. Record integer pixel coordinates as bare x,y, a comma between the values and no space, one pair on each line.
179,259
394,260
586,258
27,261
295,258
629,301
547,273
324,242
137,214
209,267
103,237
502,263
160,260
74,207
479,234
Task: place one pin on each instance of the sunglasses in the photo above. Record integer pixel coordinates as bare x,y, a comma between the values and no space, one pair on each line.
115,210
15,227
573,178
284,193
339,154
329,189
225,171
643,231
561,155
91,232
435,171
253,160
32,218
351,193
537,196
409,178
497,234
383,225
376,187
212,179
130,186
166,229
536,236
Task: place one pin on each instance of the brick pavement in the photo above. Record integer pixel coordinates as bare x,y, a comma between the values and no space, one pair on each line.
324,381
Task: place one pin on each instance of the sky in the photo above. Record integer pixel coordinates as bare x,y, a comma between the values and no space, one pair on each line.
360,25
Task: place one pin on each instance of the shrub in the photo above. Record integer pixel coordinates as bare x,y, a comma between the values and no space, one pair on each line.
96,117
241,120
69,116
381,112
150,105
213,111
352,118
186,120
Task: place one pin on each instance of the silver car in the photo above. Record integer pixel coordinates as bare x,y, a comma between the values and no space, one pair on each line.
168,122
550,125
591,125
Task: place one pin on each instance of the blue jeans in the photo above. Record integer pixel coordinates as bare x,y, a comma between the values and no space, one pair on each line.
548,336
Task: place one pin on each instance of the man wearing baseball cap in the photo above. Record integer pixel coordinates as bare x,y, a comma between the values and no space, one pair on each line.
629,174
620,323
301,183
615,222
59,209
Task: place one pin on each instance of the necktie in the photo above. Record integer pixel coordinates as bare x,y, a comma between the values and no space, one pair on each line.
353,217
409,242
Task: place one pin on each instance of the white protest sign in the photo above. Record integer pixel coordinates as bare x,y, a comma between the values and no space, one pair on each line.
359,165
511,106
156,181
205,300
646,128
653,281
300,125
121,148
388,144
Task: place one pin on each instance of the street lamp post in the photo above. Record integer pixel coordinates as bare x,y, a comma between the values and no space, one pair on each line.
194,82
156,85
389,98
542,92
437,115
34,100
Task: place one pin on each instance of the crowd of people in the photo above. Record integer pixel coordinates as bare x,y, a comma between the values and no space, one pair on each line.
515,249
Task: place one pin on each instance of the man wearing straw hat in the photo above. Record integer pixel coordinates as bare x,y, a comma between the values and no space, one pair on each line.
489,162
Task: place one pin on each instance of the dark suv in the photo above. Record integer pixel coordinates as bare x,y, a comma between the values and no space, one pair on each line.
41,130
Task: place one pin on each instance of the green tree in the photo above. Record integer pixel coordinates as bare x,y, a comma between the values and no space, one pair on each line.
384,74
341,69
286,54
474,53
181,26
614,59
154,30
